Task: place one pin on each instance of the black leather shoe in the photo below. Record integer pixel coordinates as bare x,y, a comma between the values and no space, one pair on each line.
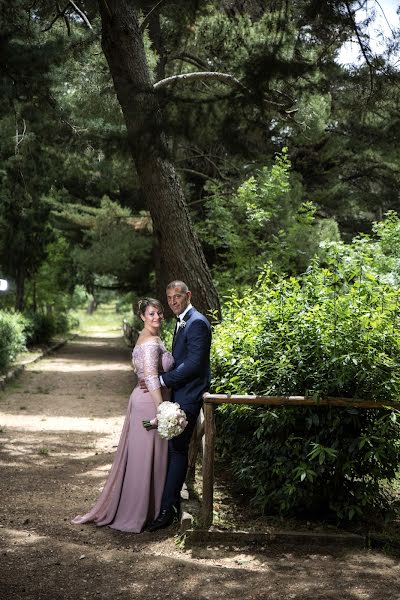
164,519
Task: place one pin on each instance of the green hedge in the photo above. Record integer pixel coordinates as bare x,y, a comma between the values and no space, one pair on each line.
40,328
12,338
17,331
332,332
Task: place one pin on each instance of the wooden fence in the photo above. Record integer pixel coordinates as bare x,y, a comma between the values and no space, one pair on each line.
207,428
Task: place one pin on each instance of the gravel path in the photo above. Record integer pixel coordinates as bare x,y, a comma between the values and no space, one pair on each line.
59,424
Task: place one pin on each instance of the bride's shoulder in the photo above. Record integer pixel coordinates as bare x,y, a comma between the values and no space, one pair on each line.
148,340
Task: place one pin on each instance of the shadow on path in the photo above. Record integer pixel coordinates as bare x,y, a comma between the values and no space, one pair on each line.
59,425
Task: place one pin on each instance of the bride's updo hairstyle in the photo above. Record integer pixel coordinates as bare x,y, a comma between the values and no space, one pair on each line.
145,302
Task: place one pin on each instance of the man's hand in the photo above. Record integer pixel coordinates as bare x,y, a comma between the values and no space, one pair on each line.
143,386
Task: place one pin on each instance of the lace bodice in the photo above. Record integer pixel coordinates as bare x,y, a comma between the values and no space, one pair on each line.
149,359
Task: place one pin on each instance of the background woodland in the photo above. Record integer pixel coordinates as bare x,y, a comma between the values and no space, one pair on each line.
226,144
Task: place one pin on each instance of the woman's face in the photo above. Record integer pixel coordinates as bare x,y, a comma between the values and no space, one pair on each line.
153,317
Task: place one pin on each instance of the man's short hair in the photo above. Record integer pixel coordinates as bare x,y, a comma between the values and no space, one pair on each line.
178,284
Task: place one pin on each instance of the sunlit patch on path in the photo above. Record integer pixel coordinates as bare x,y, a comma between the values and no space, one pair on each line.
37,423
59,426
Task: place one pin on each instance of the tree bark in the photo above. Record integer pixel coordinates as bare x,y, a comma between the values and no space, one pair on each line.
20,290
178,252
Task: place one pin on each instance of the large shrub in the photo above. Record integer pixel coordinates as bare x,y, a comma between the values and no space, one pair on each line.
12,337
332,332
40,327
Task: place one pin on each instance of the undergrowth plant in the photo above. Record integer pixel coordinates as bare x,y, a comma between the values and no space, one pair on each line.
331,332
12,337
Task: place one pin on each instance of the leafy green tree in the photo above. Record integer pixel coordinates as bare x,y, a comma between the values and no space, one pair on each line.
24,236
265,219
26,117
62,149
51,288
114,248
350,170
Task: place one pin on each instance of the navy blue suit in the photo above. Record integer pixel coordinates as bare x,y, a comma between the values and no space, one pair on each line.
189,379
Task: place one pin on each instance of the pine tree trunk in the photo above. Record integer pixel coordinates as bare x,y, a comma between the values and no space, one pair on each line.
179,253
20,290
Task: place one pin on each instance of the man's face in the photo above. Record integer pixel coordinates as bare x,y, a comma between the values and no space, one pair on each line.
177,300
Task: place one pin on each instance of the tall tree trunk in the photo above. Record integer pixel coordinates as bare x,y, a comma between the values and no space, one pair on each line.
179,253
20,290
34,297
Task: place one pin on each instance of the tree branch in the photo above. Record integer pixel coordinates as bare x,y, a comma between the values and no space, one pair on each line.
60,13
198,174
198,155
199,76
66,21
81,14
228,79
189,58
143,24
19,137
385,17
360,43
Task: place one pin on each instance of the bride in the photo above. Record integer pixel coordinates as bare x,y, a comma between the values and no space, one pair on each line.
131,496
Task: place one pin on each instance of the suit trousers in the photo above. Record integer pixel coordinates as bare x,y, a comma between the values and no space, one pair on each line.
178,460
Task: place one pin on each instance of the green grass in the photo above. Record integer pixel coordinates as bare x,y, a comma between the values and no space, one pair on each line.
104,319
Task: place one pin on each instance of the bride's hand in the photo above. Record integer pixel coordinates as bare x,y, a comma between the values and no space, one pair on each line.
152,424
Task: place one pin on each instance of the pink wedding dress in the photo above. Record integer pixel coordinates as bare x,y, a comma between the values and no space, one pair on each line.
132,493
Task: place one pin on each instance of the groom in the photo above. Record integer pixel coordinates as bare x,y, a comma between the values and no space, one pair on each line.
189,379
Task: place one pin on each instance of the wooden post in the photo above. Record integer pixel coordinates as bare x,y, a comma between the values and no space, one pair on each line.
194,447
208,464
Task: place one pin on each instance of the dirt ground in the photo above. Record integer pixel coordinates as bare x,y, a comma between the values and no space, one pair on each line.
59,425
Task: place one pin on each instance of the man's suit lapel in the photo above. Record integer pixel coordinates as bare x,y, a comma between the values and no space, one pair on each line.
177,332
174,338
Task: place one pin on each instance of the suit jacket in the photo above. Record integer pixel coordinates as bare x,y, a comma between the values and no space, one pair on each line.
190,377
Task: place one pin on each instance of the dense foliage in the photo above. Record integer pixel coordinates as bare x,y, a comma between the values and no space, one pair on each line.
265,219
40,328
331,332
21,330
12,338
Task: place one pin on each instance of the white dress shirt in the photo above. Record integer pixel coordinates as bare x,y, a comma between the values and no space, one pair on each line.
180,317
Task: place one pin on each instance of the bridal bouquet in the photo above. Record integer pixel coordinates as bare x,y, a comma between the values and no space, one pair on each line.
171,420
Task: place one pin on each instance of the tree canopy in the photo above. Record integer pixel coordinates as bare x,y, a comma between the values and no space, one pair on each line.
182,124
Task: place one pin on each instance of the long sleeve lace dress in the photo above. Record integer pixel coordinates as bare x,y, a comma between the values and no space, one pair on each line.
132,493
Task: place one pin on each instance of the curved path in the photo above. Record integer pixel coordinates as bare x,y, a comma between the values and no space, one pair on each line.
59,424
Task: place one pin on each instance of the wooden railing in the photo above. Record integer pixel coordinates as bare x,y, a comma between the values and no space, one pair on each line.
211,400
